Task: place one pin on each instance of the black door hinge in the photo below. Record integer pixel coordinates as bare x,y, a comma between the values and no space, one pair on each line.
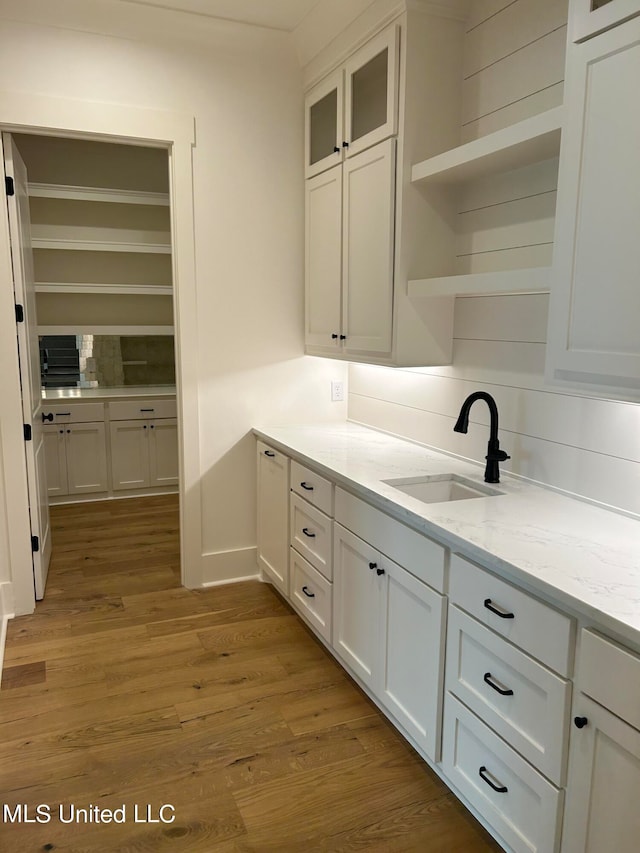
9,186
27,432
19,314
35,544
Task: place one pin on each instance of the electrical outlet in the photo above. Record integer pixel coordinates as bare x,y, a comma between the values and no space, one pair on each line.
337,391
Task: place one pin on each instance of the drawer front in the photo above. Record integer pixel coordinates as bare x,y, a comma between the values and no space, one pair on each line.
610,674
310,594
312,535
416,553
73,413
129,410
525,810
541,631
520,699
312,487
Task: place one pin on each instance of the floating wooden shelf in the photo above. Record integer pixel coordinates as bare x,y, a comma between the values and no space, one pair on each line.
529,141
534,280
101,194
100,246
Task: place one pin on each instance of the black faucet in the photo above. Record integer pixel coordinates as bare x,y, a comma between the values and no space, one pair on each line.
494,454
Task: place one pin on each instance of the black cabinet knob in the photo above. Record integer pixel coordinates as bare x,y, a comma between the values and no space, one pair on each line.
580,722
345,144
343,337
334,337
379,571
336,150
373,566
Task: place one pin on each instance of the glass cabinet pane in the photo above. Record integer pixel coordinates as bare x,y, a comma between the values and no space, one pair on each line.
369,96
323,127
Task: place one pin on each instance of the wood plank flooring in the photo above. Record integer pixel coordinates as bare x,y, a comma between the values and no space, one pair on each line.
124,689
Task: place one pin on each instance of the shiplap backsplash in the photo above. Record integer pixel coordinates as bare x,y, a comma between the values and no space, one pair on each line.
585,446
514,68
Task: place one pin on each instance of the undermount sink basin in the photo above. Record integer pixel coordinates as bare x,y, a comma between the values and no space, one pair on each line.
441,488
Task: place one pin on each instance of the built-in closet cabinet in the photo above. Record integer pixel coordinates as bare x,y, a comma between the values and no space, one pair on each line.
589,17
75,450
367,120
355,107
349,254
273,516
593,339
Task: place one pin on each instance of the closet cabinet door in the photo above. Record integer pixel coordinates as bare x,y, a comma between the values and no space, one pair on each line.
367,258
163,452
323,129
86,458
129,454
323,258
593,340
55,454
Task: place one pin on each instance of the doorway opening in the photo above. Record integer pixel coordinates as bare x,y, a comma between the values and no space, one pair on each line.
97,296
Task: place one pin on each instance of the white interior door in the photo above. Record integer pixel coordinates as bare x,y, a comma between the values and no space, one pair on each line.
29,353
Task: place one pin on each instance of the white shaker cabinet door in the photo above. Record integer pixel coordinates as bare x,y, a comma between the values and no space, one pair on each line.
86,458
129,454
412,655
273,516
594,315
589,17
367,254
323,254
55,450
163,452
604,780
356,604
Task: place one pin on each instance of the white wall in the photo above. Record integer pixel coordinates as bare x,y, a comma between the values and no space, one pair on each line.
243,86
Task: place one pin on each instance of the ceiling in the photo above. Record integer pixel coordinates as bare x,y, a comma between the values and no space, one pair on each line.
276,14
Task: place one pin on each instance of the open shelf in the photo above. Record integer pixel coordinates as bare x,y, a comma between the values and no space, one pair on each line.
521,144
92,329
119,289
115,196
534,280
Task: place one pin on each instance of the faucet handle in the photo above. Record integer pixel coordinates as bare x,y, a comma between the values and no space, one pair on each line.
497,456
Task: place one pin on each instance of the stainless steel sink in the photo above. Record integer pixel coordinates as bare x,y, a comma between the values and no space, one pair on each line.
441,488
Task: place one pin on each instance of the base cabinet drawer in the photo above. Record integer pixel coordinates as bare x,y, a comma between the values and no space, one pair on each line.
310,594
312,487
312,535
523,701
521,805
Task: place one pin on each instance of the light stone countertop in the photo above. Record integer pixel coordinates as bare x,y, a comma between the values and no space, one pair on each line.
582,556
52,395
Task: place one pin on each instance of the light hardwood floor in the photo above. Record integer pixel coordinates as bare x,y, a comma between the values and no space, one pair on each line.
126,689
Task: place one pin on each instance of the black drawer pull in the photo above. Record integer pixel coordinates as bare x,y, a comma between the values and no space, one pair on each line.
63,414
305,530
307,593
307,487
501,613
373,566
580,722
269,453
147,410
501,789
503,691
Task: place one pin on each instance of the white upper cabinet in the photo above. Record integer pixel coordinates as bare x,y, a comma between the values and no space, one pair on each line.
589,17
593,340
355,107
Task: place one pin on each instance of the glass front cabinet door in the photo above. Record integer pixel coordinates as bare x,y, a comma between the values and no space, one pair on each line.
355,107
590,17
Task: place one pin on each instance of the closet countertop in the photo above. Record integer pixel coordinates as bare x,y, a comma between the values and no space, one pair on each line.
52,395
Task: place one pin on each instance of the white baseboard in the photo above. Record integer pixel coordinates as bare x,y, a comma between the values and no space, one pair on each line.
6,613
233,566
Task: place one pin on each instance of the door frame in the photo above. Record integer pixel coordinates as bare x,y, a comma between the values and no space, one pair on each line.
22,112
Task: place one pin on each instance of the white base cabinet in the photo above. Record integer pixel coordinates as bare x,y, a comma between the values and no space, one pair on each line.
273,516
388,629
144,453
76,459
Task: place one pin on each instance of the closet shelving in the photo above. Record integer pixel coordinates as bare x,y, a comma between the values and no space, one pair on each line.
80,238
525,143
